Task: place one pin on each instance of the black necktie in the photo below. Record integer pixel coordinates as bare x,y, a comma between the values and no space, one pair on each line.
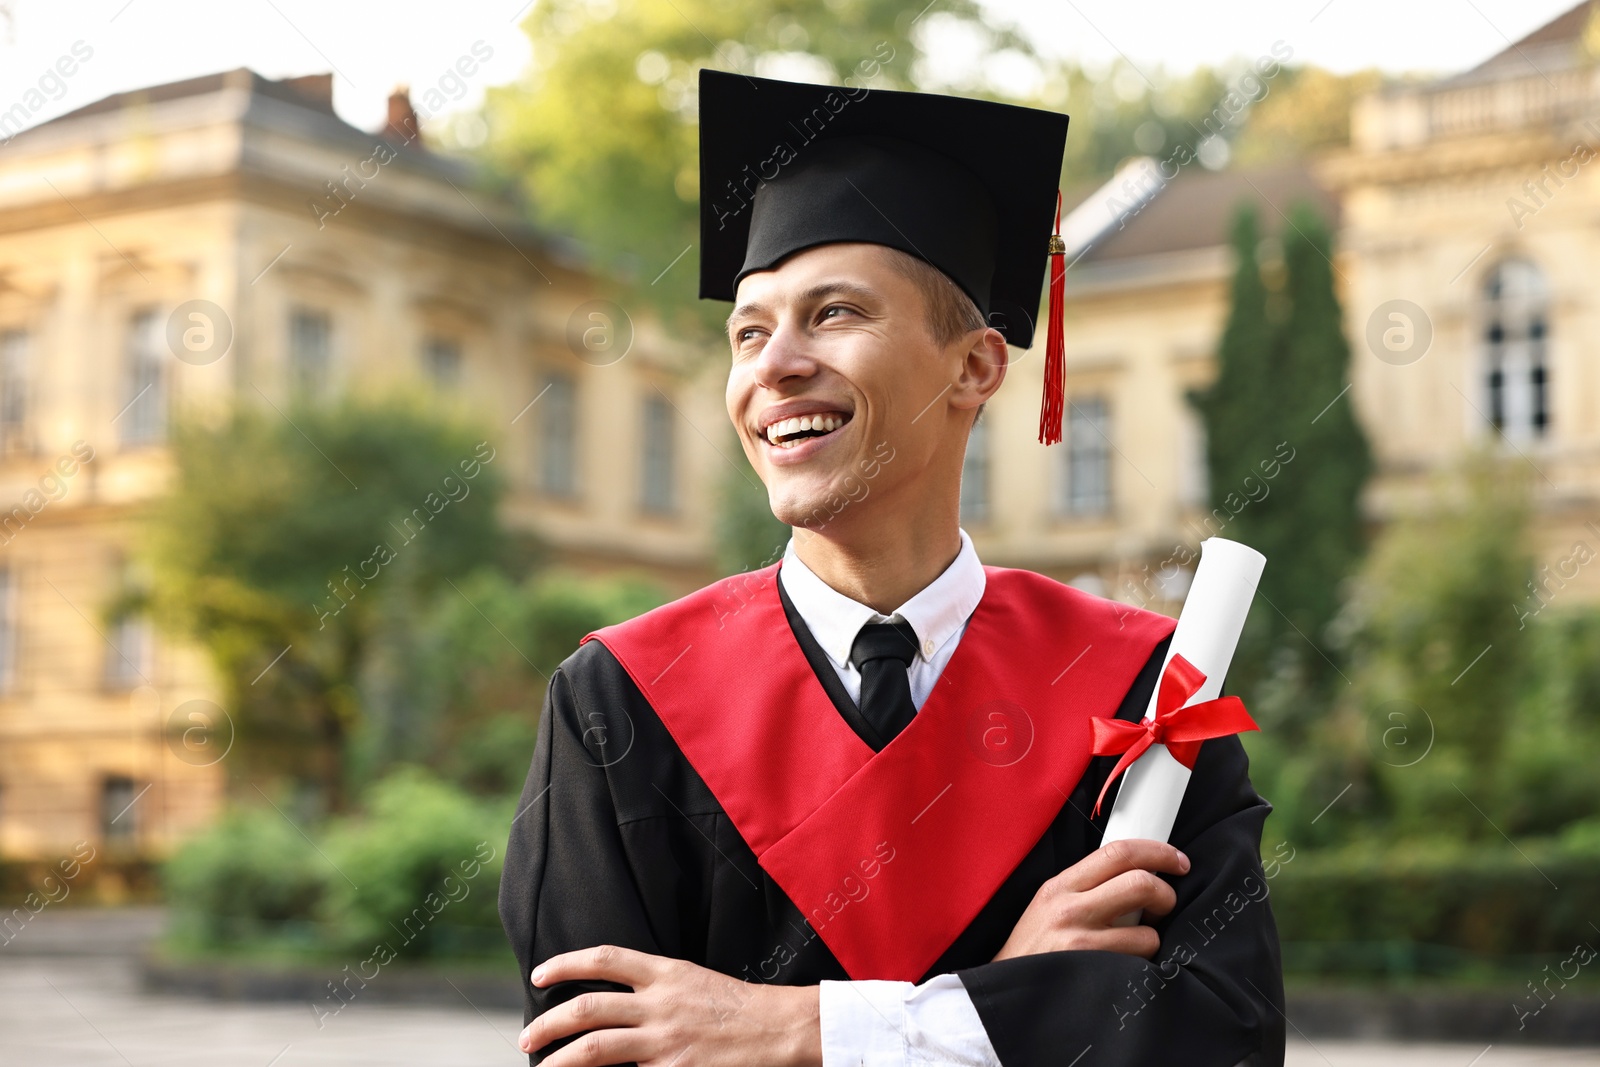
882,652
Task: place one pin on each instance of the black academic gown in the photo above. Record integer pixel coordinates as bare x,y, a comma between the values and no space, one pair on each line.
620,842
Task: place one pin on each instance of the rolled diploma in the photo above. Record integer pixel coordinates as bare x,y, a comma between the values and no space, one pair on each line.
1208,632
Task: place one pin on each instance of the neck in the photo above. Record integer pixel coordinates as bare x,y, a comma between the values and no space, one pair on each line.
881,566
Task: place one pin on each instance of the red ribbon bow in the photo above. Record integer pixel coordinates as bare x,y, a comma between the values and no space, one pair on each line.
1178,727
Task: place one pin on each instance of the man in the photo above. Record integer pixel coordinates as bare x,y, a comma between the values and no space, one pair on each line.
835,811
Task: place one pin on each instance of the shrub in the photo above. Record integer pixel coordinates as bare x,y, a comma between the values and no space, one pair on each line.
244,878
1380,910
420,870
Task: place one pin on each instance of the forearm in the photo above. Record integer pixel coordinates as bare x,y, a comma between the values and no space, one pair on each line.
1211,995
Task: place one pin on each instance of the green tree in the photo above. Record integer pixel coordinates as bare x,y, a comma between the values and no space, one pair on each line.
749,536
285,539
1238,436
1314,526
601,134
1286,457
457,684
1442,662
1307,109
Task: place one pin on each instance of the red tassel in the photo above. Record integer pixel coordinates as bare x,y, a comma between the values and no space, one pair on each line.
1055,386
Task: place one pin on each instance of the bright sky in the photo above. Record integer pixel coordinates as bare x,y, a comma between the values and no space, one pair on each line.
372,45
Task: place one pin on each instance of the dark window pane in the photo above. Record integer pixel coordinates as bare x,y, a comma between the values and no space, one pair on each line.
1087,462
658,459
557,422
975,475
143,413
118,812
310,335
442,362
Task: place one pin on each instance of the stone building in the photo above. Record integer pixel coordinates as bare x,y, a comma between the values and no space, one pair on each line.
1465,217
230,239
1464,210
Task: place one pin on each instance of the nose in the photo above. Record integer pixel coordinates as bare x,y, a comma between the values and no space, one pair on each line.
784,358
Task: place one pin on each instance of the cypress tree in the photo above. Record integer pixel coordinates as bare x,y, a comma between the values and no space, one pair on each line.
1317,528
1232,408
1285,456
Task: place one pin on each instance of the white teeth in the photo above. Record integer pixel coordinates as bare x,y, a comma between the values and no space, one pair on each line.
787,427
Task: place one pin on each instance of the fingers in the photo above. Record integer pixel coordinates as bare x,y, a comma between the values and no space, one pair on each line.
587,1011
606,962
1128,891
604,1047
1131,854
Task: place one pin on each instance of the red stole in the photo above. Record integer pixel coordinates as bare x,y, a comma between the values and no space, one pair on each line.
889,855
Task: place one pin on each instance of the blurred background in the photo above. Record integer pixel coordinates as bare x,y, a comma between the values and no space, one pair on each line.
351,371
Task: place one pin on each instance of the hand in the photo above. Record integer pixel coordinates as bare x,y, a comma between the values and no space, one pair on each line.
678,1013
1075,909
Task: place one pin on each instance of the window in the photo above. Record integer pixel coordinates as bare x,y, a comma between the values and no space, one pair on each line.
558,436
143,415
1516,329
310,350
119,822
14,368
130,642
1085,485
442,361
1194,481
8,630
975,474
657,461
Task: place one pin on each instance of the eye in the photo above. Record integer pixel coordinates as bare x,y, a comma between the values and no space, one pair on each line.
827,312
744,334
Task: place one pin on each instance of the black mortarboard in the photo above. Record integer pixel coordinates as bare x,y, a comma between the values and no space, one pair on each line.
966,185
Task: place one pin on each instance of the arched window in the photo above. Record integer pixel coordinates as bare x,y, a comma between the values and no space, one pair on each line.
1515,344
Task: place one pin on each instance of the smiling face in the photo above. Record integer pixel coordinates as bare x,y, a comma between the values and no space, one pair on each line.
846,404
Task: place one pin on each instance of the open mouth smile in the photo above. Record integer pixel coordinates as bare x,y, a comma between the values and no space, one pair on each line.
787,433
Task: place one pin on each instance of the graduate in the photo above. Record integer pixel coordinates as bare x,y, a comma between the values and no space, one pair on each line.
837,811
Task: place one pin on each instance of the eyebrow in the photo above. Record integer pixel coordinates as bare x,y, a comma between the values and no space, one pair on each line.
811,295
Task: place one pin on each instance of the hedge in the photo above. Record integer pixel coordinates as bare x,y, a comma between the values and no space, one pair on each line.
1436,907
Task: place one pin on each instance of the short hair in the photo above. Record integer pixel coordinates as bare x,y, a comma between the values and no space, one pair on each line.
950,311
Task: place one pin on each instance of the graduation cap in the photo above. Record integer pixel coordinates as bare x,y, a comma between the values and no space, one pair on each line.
966,185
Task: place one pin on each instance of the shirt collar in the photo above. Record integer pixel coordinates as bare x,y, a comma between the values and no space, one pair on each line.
937,613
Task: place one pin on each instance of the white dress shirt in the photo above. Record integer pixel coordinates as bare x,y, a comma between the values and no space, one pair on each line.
881,1023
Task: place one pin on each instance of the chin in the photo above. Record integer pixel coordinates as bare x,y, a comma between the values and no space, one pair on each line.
809,506
799,509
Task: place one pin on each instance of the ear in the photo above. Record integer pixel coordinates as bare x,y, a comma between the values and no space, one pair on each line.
983,368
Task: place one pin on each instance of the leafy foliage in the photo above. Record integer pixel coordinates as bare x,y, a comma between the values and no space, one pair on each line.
749,536
245,876
457,683
601,134
417,871
1440,908
1307,110
1467,705
299,531
1280,398
422,856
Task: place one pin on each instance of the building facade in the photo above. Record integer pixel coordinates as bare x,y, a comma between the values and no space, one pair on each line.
337,258
1464,213
230,240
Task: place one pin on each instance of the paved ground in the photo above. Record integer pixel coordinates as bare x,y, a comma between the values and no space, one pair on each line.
87,1012
69,998
1352,1054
